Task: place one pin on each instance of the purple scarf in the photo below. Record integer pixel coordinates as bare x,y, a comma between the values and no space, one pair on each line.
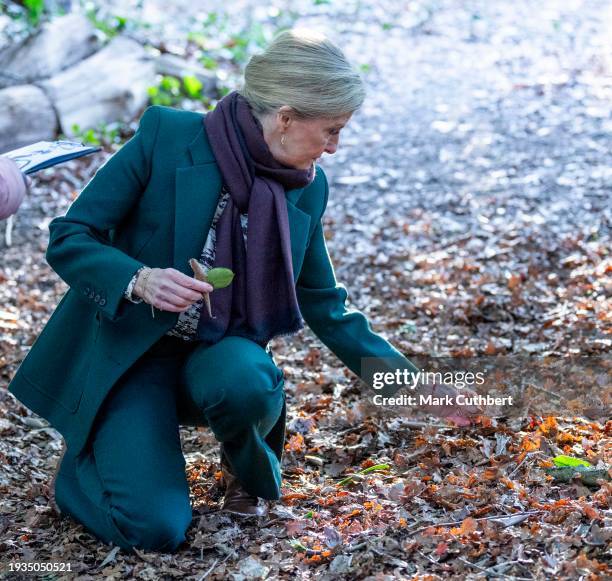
260,303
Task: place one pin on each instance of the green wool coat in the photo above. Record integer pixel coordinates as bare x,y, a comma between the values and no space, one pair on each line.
152,204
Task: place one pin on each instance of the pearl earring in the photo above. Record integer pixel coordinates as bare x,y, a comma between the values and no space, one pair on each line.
283,140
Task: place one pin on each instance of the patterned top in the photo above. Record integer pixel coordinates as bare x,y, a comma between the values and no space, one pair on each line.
187,324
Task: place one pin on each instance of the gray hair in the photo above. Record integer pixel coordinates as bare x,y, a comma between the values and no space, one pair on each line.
302,68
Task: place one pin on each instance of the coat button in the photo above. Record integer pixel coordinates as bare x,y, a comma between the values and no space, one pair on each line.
102,302
97,298
87,290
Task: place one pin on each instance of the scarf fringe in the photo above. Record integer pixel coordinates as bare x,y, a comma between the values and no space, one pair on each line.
289,333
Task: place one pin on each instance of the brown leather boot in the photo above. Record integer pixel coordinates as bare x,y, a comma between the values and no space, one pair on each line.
237,500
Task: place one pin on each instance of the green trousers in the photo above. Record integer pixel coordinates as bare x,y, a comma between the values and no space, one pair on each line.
128,484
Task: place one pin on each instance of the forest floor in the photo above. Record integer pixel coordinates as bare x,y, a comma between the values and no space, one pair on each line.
469,217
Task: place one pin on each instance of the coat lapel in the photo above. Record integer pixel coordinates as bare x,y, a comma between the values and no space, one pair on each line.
197,193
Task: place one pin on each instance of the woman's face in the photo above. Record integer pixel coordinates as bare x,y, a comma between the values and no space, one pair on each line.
305,140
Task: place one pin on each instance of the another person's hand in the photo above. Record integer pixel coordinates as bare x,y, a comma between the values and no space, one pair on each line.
462,415
168,289
13,187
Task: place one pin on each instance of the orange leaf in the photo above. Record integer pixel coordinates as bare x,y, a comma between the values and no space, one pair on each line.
295,444
514,281
490,473
589,511
485,421
548,426
521,457
469,525
530,444
289,498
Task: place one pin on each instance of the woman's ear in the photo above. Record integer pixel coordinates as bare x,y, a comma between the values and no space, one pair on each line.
285,116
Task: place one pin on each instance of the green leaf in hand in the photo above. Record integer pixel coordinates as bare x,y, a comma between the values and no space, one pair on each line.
220,277
217,277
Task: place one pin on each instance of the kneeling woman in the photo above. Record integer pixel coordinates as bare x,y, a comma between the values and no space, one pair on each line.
132,352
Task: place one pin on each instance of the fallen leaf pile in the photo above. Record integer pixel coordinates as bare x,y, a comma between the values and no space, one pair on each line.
469,219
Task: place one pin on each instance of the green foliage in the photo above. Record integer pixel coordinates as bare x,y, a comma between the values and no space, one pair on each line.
35,9
208,62
30,14
217,38
192,86
103,135
239,45
171,91
360,475
109,24
297,545
563,460
220,277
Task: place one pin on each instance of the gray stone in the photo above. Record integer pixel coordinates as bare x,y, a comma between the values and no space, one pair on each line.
58,45
109,86
26,116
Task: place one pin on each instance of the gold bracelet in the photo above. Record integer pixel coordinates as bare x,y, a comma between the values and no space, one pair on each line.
145,280
145,277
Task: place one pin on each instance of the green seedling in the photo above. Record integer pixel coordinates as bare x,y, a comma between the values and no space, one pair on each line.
216,277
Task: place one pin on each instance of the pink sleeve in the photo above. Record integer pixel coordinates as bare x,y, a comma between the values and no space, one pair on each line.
12,187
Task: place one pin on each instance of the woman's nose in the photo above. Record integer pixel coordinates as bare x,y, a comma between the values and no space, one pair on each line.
332,145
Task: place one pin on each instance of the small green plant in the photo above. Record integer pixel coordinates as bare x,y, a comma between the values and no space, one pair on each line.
108,23
217,277
110,26
357,476
102,135
193,87
34,10
171,90
30,14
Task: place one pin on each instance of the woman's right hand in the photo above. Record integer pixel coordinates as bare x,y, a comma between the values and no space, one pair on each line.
461,415
168,289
